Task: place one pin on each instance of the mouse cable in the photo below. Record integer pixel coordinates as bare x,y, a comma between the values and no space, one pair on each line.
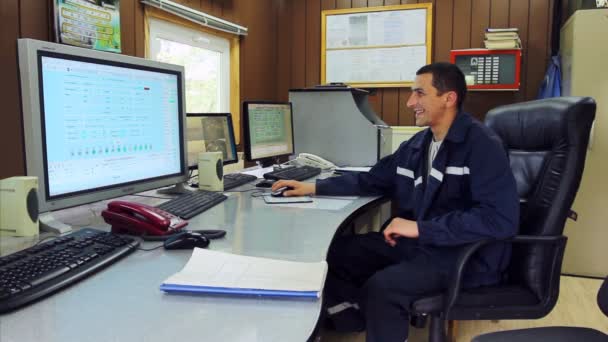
146,249
149,249
246,190
259,193
45,239
138,195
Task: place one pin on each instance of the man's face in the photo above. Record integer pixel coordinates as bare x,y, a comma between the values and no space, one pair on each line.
428,105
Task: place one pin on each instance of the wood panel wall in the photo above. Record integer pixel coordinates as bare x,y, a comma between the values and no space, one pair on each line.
33,19
457,24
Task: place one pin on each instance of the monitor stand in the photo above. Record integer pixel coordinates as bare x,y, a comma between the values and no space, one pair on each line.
48,223
177,189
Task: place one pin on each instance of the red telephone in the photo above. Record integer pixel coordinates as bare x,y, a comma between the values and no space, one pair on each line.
140,219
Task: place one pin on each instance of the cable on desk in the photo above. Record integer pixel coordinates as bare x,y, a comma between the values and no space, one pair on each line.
44,239
152,196
247,190
260,193
150,249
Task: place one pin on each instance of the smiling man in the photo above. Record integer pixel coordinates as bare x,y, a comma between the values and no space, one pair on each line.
452,185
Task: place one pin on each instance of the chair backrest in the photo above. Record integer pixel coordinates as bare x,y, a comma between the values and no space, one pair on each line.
547,144
602,297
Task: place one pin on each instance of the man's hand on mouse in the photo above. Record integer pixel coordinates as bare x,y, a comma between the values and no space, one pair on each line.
299,188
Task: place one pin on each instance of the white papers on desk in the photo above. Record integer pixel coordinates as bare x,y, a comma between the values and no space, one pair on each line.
224,273
353,169
320,203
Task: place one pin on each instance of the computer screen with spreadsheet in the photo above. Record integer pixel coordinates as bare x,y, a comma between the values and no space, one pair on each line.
268,130
99,125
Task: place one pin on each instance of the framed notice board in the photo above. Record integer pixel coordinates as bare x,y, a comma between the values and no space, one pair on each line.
376,46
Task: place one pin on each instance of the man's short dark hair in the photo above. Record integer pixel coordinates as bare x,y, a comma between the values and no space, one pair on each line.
446,77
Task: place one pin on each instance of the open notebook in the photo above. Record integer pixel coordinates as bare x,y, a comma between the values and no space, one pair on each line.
224,273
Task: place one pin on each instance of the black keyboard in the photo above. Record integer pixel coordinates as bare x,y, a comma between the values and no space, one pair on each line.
232,180
296,173
40,270
191,204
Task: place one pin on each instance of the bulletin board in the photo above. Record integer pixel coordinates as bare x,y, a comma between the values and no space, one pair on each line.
376,46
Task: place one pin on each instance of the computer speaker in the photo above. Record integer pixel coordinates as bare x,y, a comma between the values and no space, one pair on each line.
210,171
19,206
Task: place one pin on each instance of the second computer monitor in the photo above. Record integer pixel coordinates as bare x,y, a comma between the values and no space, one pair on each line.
268,131
210,132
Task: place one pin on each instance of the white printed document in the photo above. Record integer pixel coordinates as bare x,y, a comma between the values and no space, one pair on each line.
224,273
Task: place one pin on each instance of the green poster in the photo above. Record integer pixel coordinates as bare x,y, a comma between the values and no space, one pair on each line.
93,24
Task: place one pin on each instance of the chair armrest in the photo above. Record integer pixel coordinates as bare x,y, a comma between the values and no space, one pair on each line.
469,250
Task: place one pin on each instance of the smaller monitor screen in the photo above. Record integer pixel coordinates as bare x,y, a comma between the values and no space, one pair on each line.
210,132
268,130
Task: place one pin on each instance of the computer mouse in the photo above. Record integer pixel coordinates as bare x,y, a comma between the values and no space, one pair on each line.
187,240
266,183
279,192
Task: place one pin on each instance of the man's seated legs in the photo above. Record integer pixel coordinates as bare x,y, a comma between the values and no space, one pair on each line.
371,284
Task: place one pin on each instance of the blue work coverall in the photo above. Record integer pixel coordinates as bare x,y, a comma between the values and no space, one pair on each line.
468,195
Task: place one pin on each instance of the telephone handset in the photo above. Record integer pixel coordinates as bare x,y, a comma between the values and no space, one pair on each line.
315,161
140,219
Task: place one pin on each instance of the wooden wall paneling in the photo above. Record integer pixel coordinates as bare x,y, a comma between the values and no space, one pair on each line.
406,115
283,36
11,135
391,2
298,44
518,17
328,4
195,4
373,3
461,36
499,13
127,27
442,44
35,22
217,8
404,2
480,20
313,42
228,10
359,3
206,6
537,45
140,38
258,49
375,101
343,4
390,106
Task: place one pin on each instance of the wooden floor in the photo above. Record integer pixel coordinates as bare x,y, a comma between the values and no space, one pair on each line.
577,306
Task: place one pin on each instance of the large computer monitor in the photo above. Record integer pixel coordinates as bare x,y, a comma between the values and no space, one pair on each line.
268,131
210,132
99,125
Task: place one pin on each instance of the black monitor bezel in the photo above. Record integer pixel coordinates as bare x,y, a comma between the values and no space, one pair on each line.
247,137
60,55
230,129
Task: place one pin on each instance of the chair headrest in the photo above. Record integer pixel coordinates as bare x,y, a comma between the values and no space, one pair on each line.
543,124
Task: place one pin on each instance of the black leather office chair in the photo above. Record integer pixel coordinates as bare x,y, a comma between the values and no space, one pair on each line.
547,144
554,334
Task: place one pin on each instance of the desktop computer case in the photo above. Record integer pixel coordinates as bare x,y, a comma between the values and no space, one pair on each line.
338,124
